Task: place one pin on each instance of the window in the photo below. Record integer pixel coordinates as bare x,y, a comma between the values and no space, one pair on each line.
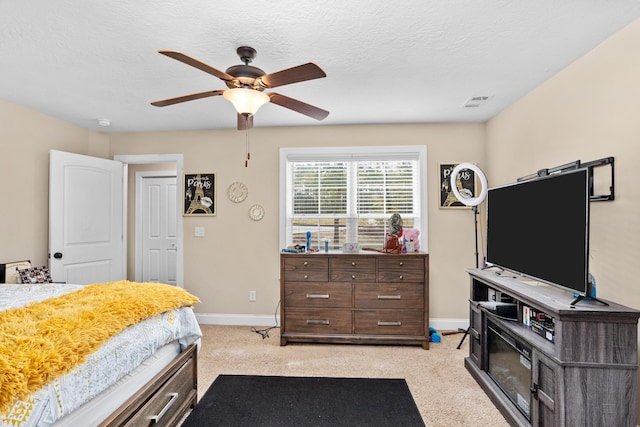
347,194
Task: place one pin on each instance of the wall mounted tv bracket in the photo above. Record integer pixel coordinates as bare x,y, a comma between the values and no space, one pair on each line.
578,165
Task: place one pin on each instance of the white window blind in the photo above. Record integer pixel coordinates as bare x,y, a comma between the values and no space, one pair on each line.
348,195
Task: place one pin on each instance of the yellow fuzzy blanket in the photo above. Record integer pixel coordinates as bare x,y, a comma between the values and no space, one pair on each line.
48,339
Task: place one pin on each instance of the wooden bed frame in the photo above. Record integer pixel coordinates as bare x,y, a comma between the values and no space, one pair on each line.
164,400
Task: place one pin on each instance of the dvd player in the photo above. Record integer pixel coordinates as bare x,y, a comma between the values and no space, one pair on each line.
502,309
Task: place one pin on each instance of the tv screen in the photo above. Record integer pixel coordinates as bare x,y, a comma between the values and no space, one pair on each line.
540,229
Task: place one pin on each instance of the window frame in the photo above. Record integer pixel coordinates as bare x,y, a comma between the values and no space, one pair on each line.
360,152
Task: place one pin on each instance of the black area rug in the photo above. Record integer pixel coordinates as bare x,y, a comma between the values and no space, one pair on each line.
247,400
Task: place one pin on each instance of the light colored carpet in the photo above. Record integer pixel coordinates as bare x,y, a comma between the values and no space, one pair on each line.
444,391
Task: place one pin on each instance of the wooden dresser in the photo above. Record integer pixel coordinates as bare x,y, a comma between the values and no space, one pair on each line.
360,298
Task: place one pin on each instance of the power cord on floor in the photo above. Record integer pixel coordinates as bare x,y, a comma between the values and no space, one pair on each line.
265,332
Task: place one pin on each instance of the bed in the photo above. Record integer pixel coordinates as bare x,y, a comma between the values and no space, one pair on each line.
121,353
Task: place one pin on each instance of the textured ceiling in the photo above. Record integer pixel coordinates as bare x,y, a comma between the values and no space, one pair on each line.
414,61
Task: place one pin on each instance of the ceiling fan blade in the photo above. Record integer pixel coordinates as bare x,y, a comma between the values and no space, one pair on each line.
299,106
179,99
297,74
197,64
245,122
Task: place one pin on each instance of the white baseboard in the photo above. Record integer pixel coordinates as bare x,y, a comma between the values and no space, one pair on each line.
237,319
449,324
270,320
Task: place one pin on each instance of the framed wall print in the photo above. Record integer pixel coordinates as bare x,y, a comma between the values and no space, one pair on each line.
199,194
466,186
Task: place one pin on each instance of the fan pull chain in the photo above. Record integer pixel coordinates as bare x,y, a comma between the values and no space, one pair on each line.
246,162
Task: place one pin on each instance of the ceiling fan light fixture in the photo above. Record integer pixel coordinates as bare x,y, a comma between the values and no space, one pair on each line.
246,83
246,101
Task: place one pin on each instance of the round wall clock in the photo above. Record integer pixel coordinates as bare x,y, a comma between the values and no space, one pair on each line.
256,212
237,192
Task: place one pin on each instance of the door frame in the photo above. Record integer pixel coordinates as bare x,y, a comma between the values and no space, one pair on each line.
139,159
139,253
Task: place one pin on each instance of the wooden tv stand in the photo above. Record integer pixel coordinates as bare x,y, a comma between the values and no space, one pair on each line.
584,369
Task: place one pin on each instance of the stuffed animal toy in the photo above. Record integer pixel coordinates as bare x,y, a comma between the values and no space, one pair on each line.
411,238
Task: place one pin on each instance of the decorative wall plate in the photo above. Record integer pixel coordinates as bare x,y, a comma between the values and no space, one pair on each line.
237,192
256,212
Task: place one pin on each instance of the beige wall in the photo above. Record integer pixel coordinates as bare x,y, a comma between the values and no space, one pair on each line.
586,112
25,140
238,255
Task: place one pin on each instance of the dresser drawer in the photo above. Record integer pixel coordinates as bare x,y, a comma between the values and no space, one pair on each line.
350,263
400,262
169,402
306,263
389,296
306,295
389,322
353,269
319,321
399,276
353,276
306,275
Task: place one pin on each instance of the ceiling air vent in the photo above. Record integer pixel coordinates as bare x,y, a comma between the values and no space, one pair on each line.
476,101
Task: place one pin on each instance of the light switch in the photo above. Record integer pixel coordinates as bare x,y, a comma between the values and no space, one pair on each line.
199,232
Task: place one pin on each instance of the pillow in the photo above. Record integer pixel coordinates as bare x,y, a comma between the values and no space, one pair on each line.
9,271
35,275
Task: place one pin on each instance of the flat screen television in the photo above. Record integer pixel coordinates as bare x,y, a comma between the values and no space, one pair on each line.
540,229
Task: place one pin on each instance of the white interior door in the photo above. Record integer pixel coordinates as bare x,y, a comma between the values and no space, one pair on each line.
86,242
177,161
157,197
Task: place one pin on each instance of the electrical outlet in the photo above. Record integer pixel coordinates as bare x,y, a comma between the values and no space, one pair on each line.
252,295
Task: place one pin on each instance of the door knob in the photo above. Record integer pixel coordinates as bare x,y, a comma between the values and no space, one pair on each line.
57,255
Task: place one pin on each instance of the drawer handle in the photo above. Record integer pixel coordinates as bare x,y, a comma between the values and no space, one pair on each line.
317,322
305,263
389,297
306,276
318,296
353,263
353,276
172,400
401,277
401,263
380,323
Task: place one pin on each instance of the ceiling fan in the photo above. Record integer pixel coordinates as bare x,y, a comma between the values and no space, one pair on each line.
247,83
